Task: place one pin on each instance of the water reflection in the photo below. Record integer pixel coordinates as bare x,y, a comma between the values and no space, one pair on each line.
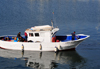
46,60
53,60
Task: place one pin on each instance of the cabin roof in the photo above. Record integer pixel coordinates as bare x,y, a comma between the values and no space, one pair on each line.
40,28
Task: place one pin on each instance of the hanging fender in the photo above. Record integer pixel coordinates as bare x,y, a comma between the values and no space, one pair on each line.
40,47
22,47
56,49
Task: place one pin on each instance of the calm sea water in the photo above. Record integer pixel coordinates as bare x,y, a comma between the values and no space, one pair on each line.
82,16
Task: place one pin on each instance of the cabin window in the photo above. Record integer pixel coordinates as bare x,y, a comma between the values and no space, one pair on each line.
37,34
30,34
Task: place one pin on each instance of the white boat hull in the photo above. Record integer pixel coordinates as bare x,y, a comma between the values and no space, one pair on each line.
50,46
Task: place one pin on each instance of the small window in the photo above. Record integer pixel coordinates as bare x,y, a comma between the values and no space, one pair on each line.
30,34
37,34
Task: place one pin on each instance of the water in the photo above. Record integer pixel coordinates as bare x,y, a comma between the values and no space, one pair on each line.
82,16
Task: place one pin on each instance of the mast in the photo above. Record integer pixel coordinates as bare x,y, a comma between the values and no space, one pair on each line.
52,23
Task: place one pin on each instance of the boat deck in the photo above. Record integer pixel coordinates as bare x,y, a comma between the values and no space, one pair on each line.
59,38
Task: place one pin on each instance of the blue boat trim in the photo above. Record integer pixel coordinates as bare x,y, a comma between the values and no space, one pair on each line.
69,38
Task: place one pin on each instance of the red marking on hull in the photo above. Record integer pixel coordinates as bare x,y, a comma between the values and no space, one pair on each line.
4,48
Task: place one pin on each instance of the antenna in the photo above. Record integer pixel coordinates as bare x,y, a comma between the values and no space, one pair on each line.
52,23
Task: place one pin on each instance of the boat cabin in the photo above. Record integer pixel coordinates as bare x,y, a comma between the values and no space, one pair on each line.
41,33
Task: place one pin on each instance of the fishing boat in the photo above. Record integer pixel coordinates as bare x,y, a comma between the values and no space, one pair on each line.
42,38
